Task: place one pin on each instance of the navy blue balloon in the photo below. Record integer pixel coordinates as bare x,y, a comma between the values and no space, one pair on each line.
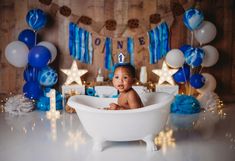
193,18
36,19
31,73
182,75
194,56
185,47
28,37
32,90
39,56
197,81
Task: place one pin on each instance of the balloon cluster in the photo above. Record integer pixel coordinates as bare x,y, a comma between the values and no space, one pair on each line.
188,57
33,56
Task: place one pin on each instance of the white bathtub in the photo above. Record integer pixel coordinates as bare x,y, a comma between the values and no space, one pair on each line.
122,125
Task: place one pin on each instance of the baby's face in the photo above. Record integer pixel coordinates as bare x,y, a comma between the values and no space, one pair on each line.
122,79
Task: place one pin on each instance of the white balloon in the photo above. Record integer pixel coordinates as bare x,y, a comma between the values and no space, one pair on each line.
211,56
205,33
51,48
210,83
16,54
175,58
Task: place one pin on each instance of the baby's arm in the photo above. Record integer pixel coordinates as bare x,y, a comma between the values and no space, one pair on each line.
134,100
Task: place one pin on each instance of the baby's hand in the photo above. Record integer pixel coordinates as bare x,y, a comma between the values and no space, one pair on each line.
113,106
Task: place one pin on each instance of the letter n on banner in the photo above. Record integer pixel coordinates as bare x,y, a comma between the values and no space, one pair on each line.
98,43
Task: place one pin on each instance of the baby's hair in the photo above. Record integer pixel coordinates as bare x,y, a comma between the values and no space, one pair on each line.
127,66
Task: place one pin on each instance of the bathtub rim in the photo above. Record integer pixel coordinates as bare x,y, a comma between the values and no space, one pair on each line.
85,108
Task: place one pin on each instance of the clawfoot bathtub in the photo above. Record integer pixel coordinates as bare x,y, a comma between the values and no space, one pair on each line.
122,125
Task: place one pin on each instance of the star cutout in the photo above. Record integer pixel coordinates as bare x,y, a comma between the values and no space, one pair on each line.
165,74
74,74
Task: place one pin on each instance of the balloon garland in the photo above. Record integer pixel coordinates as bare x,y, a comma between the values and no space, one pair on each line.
35,58
188,58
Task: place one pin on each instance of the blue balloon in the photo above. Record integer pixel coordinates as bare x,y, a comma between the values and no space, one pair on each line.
47,77
193,18
31,73
39,56
197,81
182,75
28,37
32,90
194,56
36,19
185,47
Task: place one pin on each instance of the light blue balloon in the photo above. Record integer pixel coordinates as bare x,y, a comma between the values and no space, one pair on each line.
193,18
194,56
47,77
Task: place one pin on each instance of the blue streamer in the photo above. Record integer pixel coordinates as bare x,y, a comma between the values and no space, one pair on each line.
158,42
108,54
130,49
80,44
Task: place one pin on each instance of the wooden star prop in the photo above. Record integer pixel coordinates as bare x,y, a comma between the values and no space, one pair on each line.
165,74
74,74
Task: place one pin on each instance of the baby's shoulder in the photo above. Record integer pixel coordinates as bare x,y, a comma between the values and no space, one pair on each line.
132,92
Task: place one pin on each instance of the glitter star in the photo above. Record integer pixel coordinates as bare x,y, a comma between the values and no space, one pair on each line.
74,74
165,74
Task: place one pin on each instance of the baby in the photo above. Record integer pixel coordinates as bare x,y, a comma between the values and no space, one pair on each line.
123,79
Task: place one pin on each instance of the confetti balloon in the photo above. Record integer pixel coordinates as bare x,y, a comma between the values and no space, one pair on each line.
47,77
36,19
193,18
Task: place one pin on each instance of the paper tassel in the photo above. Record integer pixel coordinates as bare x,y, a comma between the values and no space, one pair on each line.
80,44
130,49
158,42
108,53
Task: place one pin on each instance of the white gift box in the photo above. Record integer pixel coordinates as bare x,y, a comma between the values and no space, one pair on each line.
171,89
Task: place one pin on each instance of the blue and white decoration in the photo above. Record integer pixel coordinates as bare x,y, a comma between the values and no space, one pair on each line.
194,56
121,58
36,19
47,77
158,42
193,18
80,44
